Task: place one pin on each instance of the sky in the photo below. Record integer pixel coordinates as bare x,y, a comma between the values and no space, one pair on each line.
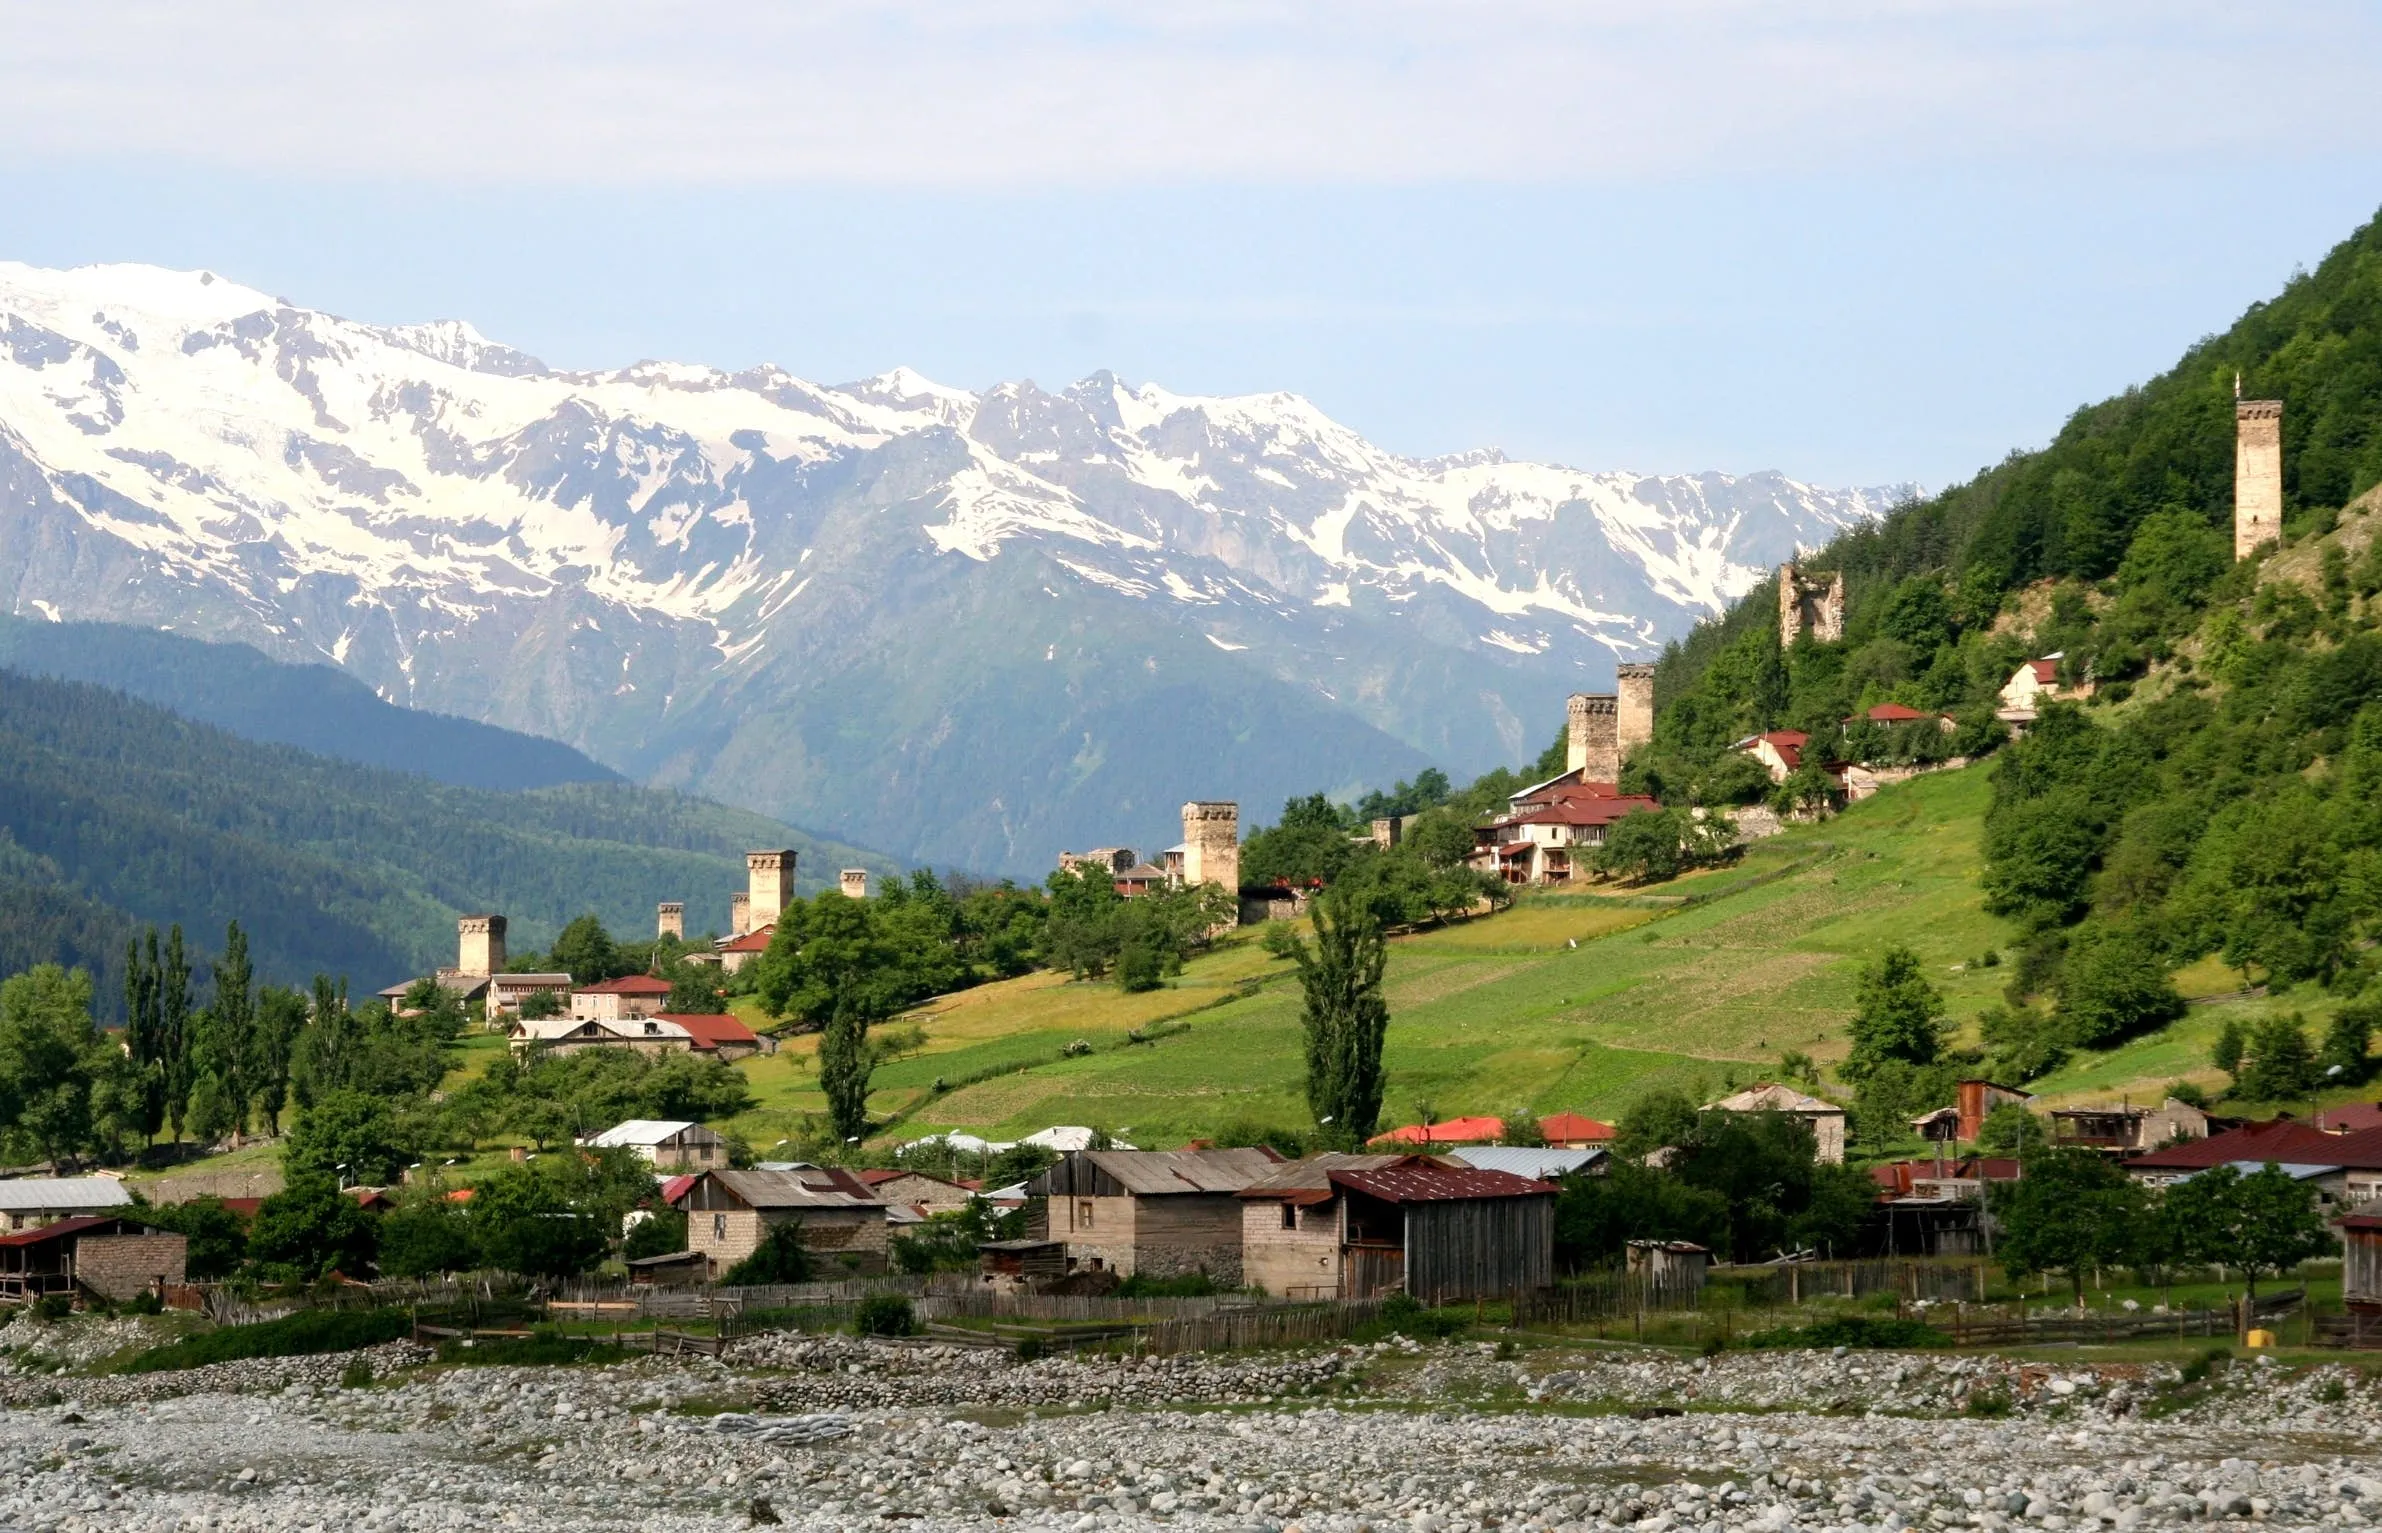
1860,241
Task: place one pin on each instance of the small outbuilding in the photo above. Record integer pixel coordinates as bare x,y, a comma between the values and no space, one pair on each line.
1670,1263
1359,1226
665,1143
1825,1118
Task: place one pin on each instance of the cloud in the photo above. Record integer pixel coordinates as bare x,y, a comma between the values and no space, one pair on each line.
608,92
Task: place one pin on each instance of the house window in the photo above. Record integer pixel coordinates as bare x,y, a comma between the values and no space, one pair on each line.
1290,1217
1083,1214
719,1226
703,1152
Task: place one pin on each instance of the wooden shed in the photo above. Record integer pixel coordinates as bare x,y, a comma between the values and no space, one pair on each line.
2361,1262
1359,1226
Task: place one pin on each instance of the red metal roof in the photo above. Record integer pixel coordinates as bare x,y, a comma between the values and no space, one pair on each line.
1571,1128
634,984
78,1225
1584,811
2046,671
1788,743
2281,1140
1453,1131
754,941
1438,1184
2349,1117
1895,713
674,1188
710,1031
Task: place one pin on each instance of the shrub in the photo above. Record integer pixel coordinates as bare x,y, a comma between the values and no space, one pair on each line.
1853,1331
305,1334
779,1258
53,1306
885,1314
1030,1348
1987,1404
356,1375
1188,1285
662,1235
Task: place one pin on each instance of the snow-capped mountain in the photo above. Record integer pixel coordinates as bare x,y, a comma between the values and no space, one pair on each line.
966,627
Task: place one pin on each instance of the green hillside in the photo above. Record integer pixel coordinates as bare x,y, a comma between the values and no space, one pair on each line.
116,813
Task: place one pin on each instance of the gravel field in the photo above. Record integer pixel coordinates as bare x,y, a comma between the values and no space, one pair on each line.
834,1433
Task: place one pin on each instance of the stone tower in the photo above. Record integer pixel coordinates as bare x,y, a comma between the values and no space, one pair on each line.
1634,725
1593,746
768,880
855,883
739,909
670,919
480,945
2257,473
1809,603
1212,845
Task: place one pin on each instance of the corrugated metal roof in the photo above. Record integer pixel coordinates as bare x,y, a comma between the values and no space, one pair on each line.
787,1189
1314,1173
1540,1165
1439,1184
63,1229
2281,1139
1155,1173
639,1131
48,1194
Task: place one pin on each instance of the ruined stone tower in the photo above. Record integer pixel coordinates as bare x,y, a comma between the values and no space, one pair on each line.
855,883
739,913
1212,845
2257,473
480,945
1809,603
670,919
1593,746
1635,724
768,879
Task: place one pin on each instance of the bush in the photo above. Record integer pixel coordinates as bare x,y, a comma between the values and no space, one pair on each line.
662,1235
306,1334
356,1375
53,1306
1853,1331
1030,1348
885,1314
1188,1285
779,1258
1405,1315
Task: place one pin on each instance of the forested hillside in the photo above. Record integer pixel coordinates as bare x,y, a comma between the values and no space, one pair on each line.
312,707
2214,791
114,813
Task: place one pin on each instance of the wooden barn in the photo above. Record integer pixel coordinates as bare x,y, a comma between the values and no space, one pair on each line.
1359,1226
1162,1213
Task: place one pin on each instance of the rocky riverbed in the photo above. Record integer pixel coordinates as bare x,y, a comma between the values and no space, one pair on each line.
835,1433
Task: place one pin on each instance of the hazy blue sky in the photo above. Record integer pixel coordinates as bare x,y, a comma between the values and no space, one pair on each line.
1859,242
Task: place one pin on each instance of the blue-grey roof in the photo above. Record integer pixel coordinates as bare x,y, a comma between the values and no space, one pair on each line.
1540,1165
61,1194
2298,1171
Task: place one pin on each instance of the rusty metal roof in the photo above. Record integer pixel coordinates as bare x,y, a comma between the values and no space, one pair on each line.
1439,1184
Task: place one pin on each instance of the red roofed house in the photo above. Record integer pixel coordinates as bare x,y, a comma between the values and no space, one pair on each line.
736,952
1451,1132
1570,1131
1536,842
1359,1226
621,1000
1780,751
2033,684
2282,1141
718,1035
116,1258
1894,713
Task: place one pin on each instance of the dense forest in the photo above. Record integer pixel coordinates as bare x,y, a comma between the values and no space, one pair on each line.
116,813
2213,787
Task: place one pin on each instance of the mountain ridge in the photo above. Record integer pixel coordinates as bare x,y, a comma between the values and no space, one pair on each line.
655,564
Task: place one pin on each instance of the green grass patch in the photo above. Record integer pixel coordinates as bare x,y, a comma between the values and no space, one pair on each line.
301,1335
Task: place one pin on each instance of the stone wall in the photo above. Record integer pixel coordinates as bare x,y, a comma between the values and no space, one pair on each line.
2257,474
127,1266
1294,1262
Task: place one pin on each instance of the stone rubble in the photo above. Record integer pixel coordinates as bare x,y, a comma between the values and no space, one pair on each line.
833,1433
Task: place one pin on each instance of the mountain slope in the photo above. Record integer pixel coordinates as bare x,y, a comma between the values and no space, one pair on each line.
312,707
114,812
700,575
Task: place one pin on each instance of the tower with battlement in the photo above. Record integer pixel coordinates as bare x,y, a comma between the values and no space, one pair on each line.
1812,604
1592,742
739,913
1634,724
855,883
2257,473
768,882
1212,845
480,945
669,919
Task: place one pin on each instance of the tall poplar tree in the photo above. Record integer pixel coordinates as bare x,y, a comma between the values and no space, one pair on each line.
141,1040
173,1024
232,1050
1346,1018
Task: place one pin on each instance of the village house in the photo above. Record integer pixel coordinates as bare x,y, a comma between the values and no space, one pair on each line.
2033,684
506,992
110,1256
1826,1118
1359,1226
1780,751
630,997
1570,1131
916,1189
718,1035
1937,1207
1550,833
736,952
33,1201
564,1035
665,1144
1445,1132
729,1212
1163,1213
2125,1128
2344,1169
1889,715
1111,860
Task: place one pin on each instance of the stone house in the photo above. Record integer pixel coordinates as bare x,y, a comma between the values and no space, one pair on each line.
1548,836
665,1144
916,1189
1826,1118
1161,1212
1359,1226
506,992
29,1202
619,1000
728,1213
736,952
116,1258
